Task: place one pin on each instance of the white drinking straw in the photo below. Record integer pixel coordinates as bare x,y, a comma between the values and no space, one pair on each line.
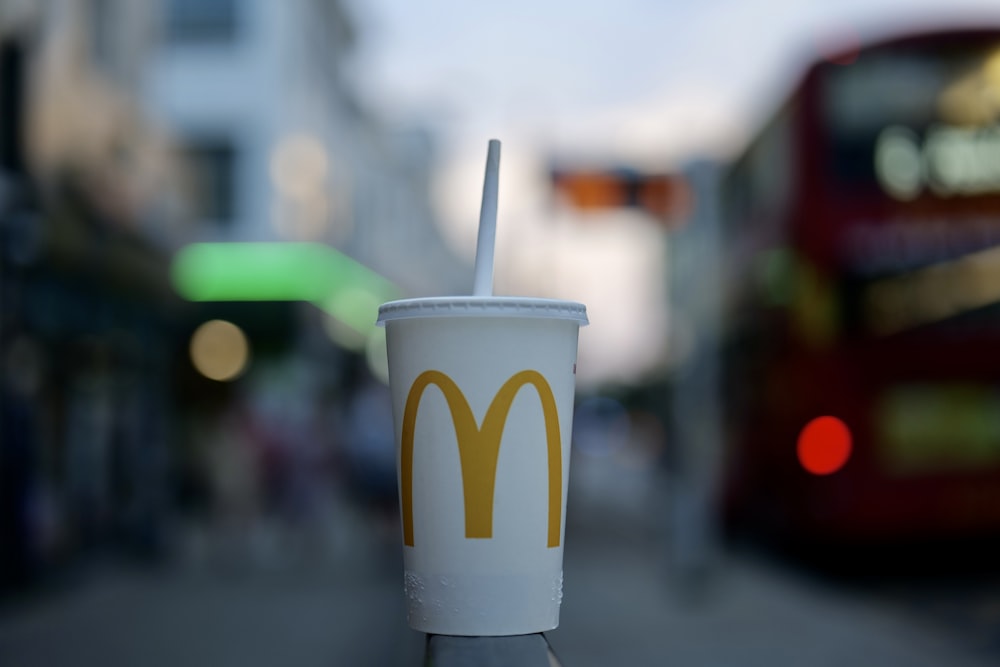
483,285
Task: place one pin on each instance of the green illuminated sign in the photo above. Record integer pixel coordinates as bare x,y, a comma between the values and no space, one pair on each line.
312,272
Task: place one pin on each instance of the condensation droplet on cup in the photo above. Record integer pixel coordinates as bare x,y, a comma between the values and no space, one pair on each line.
413,586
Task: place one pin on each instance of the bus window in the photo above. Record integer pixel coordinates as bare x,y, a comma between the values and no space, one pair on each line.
915,101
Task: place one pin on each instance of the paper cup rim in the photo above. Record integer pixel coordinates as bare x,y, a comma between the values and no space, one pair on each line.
478,306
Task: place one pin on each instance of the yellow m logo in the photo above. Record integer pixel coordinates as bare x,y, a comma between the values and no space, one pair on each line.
479,449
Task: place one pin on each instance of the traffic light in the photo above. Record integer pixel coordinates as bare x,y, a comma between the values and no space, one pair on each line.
664,196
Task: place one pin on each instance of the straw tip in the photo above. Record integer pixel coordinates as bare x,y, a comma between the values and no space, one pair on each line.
492,159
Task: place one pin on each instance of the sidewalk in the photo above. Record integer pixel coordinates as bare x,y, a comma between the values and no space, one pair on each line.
222,602
619,609
751,614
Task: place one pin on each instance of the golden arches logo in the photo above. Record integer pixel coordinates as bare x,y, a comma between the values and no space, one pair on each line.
479,449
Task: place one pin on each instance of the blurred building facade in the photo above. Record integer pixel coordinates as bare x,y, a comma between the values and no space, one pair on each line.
280,147
129,130
88,215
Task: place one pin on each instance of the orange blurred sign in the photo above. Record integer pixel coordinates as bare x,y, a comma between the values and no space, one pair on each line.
665,197
589,190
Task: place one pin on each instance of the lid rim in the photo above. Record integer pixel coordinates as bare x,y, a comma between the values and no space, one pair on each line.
471,306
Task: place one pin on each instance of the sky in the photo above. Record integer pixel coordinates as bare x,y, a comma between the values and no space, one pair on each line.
645,83
567,69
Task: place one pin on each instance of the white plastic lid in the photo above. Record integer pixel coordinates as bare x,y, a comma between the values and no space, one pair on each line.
483,306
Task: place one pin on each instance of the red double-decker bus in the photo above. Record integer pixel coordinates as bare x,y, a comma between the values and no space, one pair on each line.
861,233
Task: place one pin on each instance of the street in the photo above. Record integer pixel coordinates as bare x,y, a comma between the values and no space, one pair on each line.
620,608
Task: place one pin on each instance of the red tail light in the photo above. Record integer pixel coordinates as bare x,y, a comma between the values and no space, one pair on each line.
824,445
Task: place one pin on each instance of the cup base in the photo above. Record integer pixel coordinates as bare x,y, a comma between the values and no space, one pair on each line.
480,605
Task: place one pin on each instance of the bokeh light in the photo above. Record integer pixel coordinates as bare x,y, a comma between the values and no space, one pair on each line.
343,334
376,355
824,445
299,166
219,350
898,163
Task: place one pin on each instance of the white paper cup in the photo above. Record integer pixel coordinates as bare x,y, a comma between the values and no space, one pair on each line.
482,396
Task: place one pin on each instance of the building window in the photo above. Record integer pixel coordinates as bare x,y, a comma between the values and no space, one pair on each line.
210,165
201,21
